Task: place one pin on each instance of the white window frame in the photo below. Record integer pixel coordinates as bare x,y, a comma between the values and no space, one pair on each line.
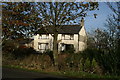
40,46
64,36
44,36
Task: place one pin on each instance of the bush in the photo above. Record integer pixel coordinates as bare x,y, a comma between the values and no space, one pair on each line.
71,50
89,60
23,52
8,46
50,54
107,61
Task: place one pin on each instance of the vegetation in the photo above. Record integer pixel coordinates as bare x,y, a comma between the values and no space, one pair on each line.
102,57
70,65
58,14
45,13
69,74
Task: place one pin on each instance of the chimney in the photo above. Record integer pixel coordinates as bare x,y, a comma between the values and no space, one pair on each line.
82,22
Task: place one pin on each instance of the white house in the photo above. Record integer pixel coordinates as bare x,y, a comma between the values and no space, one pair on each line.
69,35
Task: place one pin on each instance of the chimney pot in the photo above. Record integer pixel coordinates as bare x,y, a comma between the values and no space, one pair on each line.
82,22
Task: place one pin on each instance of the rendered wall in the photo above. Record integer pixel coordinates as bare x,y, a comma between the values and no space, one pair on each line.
82,39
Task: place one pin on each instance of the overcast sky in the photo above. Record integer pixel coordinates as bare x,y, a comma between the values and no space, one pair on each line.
92,23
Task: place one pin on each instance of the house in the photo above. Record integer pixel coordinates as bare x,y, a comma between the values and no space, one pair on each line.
26,43
68,36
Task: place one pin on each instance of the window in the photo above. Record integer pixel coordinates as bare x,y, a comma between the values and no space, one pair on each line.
44,36
42,46
62,47
71,37
63,36
67,37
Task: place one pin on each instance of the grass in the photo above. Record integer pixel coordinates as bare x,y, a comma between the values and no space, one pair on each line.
87,75
69,74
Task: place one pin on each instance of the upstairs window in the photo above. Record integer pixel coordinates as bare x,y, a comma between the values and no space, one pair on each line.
44,36
71,37
68,37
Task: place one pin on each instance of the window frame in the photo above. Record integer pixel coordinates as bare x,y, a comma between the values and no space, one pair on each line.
41,36
70,35
46,46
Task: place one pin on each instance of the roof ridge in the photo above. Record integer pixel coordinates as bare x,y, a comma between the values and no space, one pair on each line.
62,25
64,29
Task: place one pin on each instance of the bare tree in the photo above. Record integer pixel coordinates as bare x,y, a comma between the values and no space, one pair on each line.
113,22
61,13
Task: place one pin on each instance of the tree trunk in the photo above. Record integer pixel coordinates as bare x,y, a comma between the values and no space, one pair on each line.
55,50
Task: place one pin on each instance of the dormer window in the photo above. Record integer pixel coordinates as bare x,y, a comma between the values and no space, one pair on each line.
67,37
44,36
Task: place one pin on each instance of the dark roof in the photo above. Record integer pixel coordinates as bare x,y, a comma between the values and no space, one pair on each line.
25,41
64,29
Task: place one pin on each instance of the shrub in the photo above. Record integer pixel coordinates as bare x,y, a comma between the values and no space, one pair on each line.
107,61
23,52
70,50
50,54
8,46
89,60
